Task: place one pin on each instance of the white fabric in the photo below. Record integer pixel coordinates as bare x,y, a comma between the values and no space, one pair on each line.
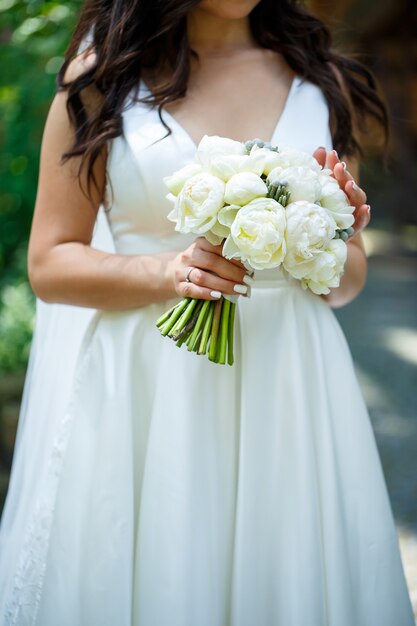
152,487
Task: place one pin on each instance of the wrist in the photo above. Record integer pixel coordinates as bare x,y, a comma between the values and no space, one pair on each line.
167,285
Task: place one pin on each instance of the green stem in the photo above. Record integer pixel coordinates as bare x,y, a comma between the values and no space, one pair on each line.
189,326
231,334
174,317
199,324
165,316
205,335
181,340
188,340
223,335
215,329
181,322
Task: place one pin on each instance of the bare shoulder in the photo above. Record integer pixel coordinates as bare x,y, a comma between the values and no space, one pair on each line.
59,131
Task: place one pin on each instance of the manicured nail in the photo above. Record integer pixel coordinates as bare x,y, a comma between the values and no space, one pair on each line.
240,288
248,279
215,294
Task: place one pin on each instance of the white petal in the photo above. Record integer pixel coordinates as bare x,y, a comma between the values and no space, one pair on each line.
230,249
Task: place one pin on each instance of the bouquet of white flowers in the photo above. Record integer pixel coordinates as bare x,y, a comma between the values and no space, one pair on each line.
270,206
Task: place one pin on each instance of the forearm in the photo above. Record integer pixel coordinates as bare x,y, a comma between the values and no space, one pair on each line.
77,274
353,279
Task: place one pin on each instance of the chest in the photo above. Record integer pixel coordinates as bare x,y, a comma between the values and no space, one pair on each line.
141,157
241,100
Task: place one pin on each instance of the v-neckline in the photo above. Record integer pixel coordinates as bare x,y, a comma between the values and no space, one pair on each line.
175,123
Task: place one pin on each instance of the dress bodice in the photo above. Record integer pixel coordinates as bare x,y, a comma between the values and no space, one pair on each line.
144,154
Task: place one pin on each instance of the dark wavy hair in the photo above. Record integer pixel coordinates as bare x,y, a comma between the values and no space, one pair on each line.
129,36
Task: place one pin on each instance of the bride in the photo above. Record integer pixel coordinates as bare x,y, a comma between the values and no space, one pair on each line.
150,487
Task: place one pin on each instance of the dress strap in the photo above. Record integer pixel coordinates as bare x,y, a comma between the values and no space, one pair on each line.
306,124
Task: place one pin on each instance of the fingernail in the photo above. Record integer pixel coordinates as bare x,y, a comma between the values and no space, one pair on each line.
240,288
344,165
334,151
369,209
355,187
249,293
321,148
248,279
215,294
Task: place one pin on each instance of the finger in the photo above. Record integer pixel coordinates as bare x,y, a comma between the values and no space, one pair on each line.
204,244
320,155
217,264
190,290
356,195
362,217
341,174
332,159
237,263
213,282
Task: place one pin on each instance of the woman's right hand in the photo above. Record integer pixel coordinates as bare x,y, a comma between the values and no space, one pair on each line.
210,274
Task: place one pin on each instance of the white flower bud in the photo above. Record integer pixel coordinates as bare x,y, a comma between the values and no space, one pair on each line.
244,187
198,204
257,234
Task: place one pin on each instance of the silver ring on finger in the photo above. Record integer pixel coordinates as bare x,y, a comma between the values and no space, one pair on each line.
187,278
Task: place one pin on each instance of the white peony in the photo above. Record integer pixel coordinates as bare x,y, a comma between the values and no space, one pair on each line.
243,188
212,238
214,147
270,158
336,202
309,229
303,183
177,180
198,203
227,215
257,234
225,157
313,256
326,269
221,228
290,157
226,166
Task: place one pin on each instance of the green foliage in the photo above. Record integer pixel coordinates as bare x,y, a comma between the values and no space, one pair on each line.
33,38
17,316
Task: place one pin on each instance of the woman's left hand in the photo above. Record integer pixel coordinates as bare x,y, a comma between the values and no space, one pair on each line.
356,195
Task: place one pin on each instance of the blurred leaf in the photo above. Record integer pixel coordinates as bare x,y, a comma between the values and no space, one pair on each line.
5,5
34,36
17,318
29,27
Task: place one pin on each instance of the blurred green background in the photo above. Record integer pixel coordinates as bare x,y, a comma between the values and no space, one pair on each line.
380,325
33,38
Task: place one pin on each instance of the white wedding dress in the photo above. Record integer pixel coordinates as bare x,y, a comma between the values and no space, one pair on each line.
151,487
